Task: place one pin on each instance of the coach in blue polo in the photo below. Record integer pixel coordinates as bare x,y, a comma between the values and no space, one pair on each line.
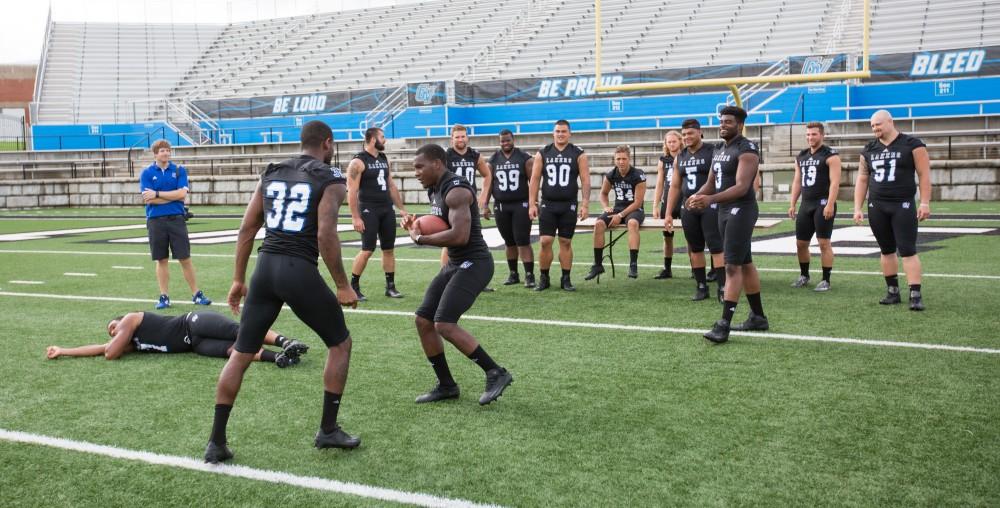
164,185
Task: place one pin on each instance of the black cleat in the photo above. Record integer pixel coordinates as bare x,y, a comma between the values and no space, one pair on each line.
391,292
497,380
294,348
916,301
215,454
439,392
283,360
700,293
721,294
336,439
712,276
719,332
357,291
801,281
566,285
633,271
543,283
512,279
891,298
666,273
529,280
595,271
754,323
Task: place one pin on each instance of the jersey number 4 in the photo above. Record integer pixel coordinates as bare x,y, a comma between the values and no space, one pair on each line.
288,206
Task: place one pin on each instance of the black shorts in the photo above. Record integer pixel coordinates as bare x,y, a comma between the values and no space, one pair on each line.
638,215
380,224
280,279
895,226
513,222
168,231
701,228
557,217
736,223
454,289
810,220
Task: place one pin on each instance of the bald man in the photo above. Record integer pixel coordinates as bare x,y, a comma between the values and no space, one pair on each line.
886,173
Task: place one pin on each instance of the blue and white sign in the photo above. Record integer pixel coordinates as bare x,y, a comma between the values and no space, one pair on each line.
947,63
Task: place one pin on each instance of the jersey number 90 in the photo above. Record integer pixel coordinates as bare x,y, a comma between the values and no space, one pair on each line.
558,176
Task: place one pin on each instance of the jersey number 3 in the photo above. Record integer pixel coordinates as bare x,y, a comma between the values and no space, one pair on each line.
288,206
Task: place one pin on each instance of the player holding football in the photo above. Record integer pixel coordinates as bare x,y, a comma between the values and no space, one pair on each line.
456,286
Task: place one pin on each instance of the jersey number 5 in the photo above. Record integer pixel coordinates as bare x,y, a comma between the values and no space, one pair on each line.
288,207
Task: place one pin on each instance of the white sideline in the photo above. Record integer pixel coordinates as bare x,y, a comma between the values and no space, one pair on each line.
309,482
496,261
579,324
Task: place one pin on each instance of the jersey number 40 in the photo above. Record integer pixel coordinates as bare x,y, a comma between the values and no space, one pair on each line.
288,206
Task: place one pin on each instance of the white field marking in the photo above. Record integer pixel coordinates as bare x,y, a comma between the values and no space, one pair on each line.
40,235
119,267
495,261
79,274
26,282
579,324
264,475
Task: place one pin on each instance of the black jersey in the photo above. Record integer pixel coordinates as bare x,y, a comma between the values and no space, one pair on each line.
815,172
476,248
510,175
464,165
292,190
891,171
694,168
560,172
725,162
373,189
625,186
668,174
162,334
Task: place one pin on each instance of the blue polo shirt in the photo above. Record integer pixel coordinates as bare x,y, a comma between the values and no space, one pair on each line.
170,179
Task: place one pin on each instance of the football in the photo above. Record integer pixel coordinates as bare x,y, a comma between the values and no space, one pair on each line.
430,224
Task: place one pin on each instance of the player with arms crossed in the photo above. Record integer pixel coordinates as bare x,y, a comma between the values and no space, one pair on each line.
558,166
664,178
629,184
730,184
455,288
691,169
298,200
511,168
817,180
371,192
886,174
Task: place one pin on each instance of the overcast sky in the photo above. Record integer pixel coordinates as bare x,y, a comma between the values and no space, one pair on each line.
22,26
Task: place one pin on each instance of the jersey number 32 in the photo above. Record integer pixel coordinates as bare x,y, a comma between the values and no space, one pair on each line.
288,206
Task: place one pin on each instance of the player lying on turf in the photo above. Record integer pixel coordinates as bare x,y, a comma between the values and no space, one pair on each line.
205,333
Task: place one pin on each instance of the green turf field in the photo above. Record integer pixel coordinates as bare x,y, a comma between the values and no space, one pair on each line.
822,410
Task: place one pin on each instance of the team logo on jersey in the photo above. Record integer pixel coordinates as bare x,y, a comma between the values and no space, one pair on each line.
816,65
947,63
336,172
425,93
466,265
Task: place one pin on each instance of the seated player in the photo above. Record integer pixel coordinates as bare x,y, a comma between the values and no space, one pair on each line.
205,333
629,184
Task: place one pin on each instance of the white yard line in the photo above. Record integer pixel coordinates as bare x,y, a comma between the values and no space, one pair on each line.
79,274
581,324
118,267
309,482
26,282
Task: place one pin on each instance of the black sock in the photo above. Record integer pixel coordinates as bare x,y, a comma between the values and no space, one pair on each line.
529,267
892,281
804,269
598,256
441,370
699,275
268,356
728,309
390,278
483,360
826,273
219,424
915,287
331,405
720,276
512,265
544,272
755,304
633,256
355,279
667,262
565,274
281,341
